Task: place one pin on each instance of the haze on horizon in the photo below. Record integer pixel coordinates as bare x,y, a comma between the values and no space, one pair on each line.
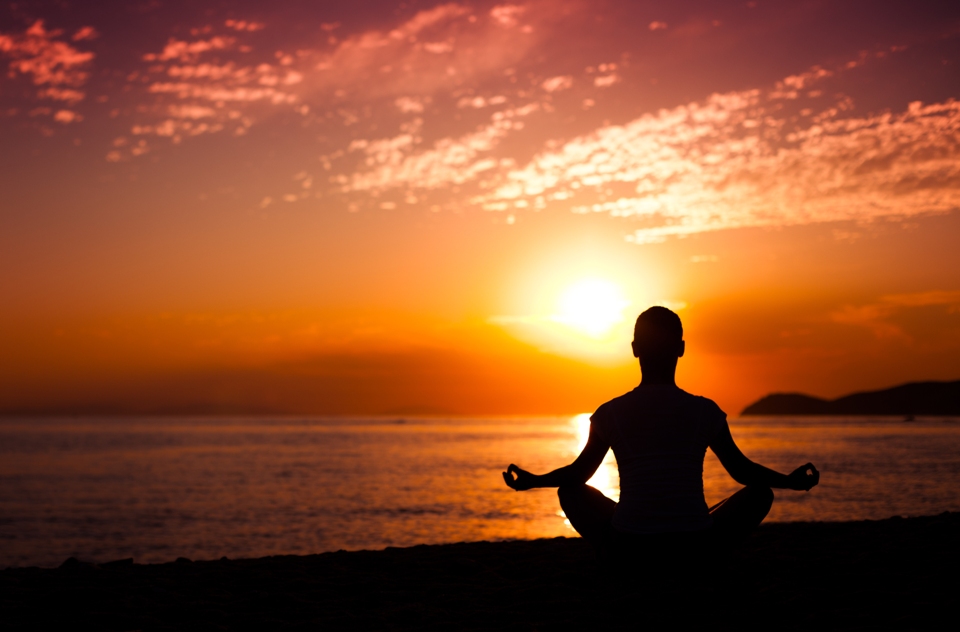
460,207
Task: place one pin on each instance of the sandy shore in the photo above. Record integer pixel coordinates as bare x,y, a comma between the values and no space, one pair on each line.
896,573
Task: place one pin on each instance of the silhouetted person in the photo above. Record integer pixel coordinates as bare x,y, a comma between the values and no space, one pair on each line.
659,435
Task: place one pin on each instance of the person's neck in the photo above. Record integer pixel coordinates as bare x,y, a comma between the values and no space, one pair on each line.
646,381
650,376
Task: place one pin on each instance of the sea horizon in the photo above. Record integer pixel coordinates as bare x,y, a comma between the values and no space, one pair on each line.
156,488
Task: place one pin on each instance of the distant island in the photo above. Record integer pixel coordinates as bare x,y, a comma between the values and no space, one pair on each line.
915,398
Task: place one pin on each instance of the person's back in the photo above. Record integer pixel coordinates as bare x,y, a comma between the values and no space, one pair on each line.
659,435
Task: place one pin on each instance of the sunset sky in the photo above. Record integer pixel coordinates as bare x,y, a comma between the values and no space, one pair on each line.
421,207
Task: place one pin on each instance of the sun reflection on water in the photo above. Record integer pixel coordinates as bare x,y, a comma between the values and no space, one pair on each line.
607,477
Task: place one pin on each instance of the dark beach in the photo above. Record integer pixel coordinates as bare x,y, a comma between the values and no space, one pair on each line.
896,573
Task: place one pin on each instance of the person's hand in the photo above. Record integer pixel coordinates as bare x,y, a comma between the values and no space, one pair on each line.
524,480
804,477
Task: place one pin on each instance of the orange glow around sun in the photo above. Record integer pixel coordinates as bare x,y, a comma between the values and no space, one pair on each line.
461,206
591,306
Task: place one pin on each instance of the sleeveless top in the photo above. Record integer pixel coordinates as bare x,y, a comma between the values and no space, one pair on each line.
659,435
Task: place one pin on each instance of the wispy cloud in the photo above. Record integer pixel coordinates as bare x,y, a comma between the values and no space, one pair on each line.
776,155
244,25
556,84
53,64
207,86
438,50
190,51
227,78
448,162
443,101
741,160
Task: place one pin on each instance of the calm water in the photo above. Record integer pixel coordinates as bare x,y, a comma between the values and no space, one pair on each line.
155,489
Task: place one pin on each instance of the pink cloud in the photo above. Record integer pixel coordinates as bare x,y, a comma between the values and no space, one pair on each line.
735,160
556,84
244,25
48,61
790,87
85,33
606,80
507,15
396,163
199,94
66,116
70,95
409,105
221,94
437,50
189,51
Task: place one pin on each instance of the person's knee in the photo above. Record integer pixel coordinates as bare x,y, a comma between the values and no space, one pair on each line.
570,493
762,497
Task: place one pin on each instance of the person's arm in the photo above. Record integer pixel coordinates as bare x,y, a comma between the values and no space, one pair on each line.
576,473
746,472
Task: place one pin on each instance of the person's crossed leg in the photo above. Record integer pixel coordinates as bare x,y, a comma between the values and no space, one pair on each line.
591,514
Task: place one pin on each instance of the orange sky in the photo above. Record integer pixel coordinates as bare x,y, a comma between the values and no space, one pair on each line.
460,207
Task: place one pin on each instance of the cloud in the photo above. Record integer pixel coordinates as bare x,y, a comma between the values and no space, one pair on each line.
556,84
195,91
67,116
776,155
872,317
49,62
924,299
243,25
606,80
397,163
507,15
879,317
738,160
189,51
789,87
69,95
409,105
85,33
480,102
437,50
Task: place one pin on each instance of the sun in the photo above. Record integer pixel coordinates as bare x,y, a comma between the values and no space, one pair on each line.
591,306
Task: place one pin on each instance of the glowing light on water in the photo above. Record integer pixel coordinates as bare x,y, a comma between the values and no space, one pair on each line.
607,477
251,487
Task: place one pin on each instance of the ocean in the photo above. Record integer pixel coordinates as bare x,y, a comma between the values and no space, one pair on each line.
155,488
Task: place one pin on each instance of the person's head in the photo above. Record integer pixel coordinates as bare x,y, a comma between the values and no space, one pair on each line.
658,338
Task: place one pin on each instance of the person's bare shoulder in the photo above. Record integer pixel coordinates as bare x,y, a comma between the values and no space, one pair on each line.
610,408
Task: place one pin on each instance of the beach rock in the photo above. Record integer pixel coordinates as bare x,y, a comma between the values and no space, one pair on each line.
73,565
115,564
915,398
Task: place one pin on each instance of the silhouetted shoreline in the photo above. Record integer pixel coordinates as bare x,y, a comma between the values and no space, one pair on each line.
889,573
915,398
